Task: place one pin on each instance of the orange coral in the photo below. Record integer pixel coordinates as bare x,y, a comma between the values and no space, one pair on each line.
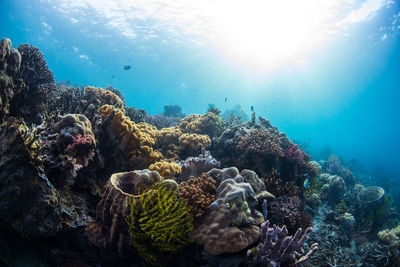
198,192
105,96
166,169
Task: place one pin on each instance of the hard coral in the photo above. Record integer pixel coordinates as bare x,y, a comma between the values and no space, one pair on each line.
390,237
209,123
195,166
286,210
199,192
261,141
278,249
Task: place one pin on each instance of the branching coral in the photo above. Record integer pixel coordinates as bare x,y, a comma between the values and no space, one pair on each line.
286,210
278,249
159,222
294,153
261,141
199,192
168,170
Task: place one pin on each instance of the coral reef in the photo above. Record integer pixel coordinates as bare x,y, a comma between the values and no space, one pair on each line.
390,237
279,249
194,142
264,142
285,210
104,97
209,123
199,192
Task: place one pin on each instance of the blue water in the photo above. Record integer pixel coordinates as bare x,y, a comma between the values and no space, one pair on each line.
343,94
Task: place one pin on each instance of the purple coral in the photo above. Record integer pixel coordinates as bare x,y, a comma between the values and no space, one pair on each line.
278,249
294,153
195,166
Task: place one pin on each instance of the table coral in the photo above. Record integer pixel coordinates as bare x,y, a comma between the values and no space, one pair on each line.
199,192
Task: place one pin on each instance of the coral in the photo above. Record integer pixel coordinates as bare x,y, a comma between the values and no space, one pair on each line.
286,210
159,222
135,140
195,166
260,141
70,147
390,237
29,203
162,121
199,192
294,153
109,231
167,142
278,187
34,86
136,115
104,96
194,142
173,111
334,188
10,62
209,123
278,249
218,236
168,170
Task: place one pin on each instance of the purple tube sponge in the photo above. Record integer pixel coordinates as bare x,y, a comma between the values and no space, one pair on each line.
278,249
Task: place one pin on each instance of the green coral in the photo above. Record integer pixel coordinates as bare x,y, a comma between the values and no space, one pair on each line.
159,222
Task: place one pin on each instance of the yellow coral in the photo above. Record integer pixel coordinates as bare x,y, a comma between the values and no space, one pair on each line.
166,169
194,142
159,223
105,96
208,123
135,139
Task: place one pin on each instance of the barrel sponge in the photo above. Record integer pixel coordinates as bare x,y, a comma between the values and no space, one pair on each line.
105,96
218,236
194,142
166,169
109,230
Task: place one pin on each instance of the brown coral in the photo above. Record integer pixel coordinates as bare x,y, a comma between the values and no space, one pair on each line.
135,140
194,142
199,192
208,123
168,170
105,96
261,141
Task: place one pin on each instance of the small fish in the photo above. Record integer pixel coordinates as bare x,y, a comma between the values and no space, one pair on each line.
252,108
242,111
127,67
307,184
226,99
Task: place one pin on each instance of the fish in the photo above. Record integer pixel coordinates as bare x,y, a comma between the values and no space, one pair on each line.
242,111
307,184
226,99
252,108
127,67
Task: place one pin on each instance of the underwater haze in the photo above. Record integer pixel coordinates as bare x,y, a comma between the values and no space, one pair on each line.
300,124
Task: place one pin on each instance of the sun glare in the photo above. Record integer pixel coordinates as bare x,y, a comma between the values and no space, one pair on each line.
259,35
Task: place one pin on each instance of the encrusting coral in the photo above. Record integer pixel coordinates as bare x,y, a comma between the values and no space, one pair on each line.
168,170
199,192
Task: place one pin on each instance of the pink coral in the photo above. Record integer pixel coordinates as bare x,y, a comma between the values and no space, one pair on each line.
294,153
79,141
